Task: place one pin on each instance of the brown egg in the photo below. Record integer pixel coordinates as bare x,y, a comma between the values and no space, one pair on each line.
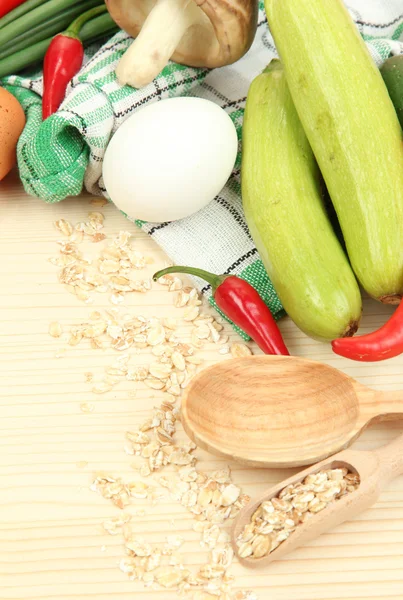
12,122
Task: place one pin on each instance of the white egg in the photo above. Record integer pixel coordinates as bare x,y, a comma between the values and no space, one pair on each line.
170,159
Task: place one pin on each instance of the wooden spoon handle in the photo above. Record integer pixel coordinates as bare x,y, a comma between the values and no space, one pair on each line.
386,406
390,460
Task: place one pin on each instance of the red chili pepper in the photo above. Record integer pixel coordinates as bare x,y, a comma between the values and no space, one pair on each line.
9,5
385,342
63,60
241,303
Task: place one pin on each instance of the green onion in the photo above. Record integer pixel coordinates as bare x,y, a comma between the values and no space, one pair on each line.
95,29
42,31
35,17
19,11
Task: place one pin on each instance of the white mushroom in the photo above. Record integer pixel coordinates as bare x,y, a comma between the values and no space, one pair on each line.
198,33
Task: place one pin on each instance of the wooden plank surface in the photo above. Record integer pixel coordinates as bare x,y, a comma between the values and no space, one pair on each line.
52,543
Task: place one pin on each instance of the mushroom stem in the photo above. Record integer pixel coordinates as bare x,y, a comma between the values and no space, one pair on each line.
157,41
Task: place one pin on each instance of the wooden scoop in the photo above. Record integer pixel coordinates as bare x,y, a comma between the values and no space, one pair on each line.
375,469
280,411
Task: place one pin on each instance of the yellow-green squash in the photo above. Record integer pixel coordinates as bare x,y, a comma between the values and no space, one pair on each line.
286,216
353,130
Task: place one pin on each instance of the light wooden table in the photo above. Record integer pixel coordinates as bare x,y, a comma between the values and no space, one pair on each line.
52,544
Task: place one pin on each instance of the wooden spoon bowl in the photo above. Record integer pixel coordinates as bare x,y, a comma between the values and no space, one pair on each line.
280,411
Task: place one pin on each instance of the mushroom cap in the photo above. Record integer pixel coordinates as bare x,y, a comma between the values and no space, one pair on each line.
222,35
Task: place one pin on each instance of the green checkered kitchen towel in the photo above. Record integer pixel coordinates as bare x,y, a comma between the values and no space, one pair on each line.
57,157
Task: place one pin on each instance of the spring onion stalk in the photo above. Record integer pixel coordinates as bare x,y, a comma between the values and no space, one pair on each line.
92,31
35,17
51,27
20,11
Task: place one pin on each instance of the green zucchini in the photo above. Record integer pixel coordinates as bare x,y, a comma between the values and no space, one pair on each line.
353,130
392,73
286,215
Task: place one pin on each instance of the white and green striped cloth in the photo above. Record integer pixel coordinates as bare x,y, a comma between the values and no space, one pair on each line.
59,156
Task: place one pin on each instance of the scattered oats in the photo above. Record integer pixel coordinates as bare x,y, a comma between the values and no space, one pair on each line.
96,217
55,329
214,335
178,361
138,374
81,464
174,541
115,373
98,202
191,313
194,360
109,266
193,296
196,342
156,335
170,323
210,536
95,329
122,239
224,349
138,547
60,353
175,559
181,299
205,496
98,237
245,596
117,298
210,499
102,387
161,371
129,450
154,383
145,470
170,577
87,407
175,284
202,332
112,488
239,350
127,566
114,526
138,489
64,227
83,295
165,280
230,495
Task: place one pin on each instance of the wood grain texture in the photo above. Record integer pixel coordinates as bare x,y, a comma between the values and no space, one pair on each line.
52,544
375,468
280,411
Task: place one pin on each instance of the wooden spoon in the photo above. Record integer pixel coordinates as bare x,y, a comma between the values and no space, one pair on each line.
280,411
375,469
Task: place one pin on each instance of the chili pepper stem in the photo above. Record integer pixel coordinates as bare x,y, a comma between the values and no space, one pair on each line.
241,304
74,29
211,278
